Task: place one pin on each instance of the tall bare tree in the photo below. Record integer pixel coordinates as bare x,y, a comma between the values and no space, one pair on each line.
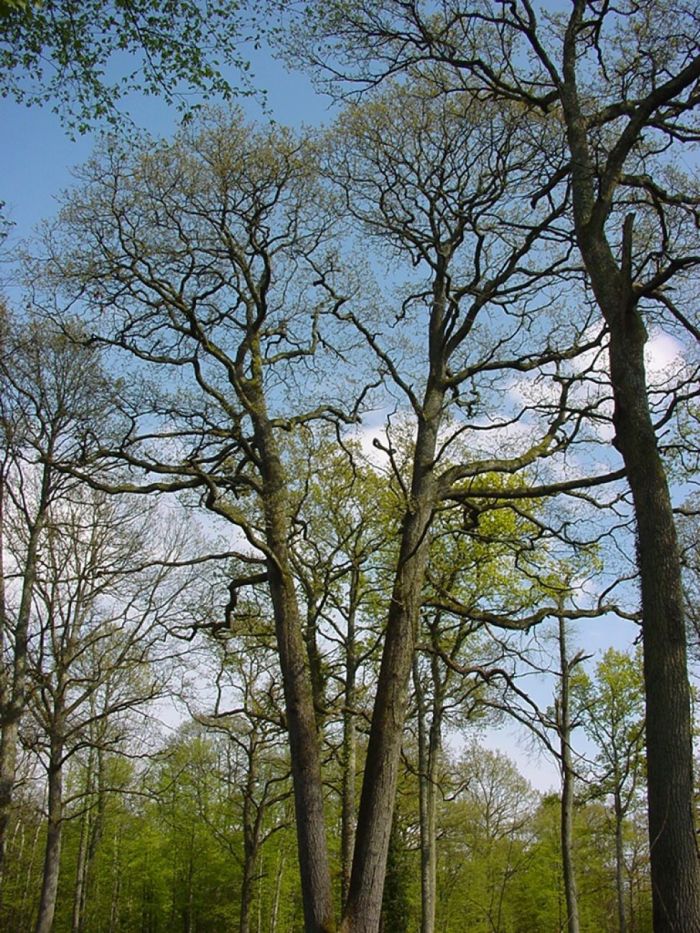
53,394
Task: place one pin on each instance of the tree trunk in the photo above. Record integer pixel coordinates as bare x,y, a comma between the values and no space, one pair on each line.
349,752
674,856
567,789
428,753
14,707
620,863
675,867
252,826
278,888
15,697
299,704
52,855
374,822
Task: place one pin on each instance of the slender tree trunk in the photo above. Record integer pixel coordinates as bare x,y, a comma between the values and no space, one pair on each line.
567,790
620,863
428,755
15,697
276,900
349,752
52,854
80,872
252,820
14,707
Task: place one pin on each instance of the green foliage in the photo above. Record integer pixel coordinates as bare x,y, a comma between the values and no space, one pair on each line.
83,58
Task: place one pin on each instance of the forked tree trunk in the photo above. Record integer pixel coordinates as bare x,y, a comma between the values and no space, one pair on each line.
364,903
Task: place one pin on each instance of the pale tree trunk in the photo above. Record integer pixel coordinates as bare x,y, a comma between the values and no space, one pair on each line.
92,823
567,789
278,889
429,745
620,861
14,706
81,872
116,883
252,830
675,868
52,854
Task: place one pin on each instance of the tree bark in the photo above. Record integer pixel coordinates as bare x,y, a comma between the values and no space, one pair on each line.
675,867
52,854
299,701
567,790
14,707
363,907
349,752
619,862
428,751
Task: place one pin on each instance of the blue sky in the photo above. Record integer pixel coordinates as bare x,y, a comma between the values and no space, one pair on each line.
37,155
36,158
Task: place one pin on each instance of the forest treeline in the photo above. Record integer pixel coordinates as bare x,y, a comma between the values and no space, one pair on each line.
349,438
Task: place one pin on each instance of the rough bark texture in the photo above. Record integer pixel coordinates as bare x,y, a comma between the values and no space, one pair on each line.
674,856
363,907
52,853
299,702
675,868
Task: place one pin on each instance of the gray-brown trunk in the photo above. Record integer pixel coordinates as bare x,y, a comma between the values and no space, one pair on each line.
299,702
52,854
567,788
428,754
363,907
674,857
620,864
349,753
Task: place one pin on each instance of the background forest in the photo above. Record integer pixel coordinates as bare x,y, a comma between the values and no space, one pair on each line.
333,458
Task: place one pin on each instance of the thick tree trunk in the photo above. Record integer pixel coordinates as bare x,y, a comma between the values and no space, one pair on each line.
675,867
674,857
52,854
363,907
299,701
